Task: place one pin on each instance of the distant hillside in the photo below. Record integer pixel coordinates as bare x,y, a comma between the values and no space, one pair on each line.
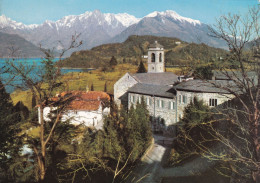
16,46
132,50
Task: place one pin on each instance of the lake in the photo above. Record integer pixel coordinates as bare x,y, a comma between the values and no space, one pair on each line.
37,64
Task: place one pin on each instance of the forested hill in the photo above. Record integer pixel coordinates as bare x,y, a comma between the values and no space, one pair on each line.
133,49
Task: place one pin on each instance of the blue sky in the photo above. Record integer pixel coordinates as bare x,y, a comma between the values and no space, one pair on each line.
37,11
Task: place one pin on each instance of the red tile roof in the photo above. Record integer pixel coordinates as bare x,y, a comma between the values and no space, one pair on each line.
88,101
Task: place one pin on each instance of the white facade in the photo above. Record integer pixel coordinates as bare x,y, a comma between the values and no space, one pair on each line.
84,117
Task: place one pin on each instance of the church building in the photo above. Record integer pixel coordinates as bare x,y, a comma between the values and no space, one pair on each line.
165,93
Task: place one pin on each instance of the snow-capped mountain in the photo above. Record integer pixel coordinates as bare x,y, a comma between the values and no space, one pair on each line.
97,28
170,24
173,15
7,22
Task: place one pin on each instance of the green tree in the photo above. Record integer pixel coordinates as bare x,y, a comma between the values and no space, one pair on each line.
105,87
196,113
113,62
203,72
141,68
43,89
33,102
123,140
137,130
92,87
9,144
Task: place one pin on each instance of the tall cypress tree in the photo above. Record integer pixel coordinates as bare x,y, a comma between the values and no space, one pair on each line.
92,87
105,87
141,68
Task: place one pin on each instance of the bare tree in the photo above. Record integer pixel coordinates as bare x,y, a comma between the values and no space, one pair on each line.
42,83
235,127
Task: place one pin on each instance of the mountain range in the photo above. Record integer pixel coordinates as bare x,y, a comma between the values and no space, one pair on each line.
96,28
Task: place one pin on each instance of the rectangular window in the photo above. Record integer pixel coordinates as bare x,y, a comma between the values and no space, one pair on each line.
162,104
184,99
158,103
180,99
148,101
213,102
133,98
171,105
139,100
229,103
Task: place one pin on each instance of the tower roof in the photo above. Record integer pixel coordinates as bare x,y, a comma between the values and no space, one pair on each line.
155,45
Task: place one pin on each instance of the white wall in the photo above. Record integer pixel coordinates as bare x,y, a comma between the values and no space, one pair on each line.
87,118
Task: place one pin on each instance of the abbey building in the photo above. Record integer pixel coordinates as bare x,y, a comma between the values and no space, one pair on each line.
165,93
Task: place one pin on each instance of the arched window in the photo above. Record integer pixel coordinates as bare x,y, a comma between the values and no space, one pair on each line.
153,57
160,57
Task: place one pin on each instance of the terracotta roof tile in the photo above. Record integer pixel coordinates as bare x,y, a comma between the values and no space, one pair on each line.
89,101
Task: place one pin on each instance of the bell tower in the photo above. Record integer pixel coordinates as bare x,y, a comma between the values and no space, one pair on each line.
155,58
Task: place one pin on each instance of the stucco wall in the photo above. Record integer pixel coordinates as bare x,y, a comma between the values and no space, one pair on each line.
76,117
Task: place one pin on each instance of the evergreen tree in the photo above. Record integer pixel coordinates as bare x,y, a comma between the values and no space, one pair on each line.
22,111
105,87
203,72
137,130
33,101
8,131
113,62
196,113
141,68
194,129
92,87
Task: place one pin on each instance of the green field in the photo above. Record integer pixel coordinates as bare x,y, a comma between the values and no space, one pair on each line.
80,81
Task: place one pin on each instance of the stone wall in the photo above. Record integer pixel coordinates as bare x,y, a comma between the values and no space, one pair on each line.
121,87
156,66
158,107
205,97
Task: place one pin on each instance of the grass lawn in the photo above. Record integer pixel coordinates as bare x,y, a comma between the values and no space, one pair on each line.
80,81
